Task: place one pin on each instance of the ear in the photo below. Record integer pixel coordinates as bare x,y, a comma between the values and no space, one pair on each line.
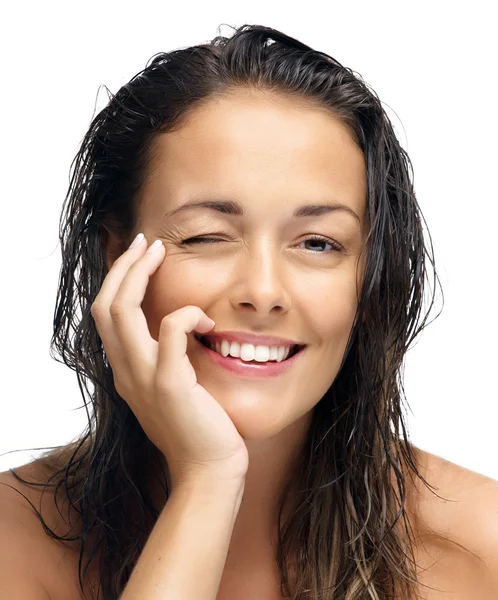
114,246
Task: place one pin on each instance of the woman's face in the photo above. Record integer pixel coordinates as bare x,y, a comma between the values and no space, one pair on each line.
269,155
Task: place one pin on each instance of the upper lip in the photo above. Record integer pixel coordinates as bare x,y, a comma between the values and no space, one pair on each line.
249,338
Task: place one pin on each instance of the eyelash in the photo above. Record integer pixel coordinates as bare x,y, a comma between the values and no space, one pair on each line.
336,247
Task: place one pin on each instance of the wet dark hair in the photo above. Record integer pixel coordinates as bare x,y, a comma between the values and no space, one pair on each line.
344,527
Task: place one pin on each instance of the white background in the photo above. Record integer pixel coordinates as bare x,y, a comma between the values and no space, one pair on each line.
433,66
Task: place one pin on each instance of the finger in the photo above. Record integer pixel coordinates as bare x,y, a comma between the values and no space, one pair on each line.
126,316
172,359
116,274
100,307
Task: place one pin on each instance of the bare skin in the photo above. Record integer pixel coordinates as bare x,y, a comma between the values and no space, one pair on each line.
266,276
454,574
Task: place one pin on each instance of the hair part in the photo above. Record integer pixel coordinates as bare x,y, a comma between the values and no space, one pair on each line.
343,537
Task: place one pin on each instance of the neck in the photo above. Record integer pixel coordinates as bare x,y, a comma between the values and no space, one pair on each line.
272,463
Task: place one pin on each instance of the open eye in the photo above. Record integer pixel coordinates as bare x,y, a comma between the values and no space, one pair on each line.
323,240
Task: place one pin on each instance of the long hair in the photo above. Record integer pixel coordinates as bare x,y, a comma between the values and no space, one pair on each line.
344,529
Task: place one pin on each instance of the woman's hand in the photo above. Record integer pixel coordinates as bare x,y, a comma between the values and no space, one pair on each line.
157,380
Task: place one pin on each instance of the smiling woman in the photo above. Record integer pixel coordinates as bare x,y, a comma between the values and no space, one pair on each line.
245,436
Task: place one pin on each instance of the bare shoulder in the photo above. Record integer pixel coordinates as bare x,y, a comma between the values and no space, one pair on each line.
51,562
21,572
457,525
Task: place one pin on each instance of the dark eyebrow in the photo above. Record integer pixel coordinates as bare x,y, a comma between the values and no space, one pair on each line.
230,207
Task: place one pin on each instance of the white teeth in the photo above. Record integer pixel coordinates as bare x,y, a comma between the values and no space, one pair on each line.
249,352
229,348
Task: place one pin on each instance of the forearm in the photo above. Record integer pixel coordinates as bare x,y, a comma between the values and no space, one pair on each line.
185,554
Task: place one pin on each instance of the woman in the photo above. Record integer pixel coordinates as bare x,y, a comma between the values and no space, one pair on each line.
245,436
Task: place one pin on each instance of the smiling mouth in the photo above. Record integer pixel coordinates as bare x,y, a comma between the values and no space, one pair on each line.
293,351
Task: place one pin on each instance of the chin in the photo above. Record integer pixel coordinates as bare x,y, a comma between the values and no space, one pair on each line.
253,421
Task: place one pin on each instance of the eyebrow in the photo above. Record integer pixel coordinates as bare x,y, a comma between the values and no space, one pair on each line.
230,207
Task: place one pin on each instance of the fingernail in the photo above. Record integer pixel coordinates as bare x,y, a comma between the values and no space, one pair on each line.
155,246
136,241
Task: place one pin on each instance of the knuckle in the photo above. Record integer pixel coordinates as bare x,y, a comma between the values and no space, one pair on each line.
179,313
168,322
192,308
96,309
163,385
179,317
117,311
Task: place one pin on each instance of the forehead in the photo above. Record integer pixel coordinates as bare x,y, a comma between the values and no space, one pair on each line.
259,147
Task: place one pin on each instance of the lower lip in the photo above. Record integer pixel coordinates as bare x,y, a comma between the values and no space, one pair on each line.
250,369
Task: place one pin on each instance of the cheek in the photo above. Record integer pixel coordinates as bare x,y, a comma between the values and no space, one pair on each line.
173,286
333,310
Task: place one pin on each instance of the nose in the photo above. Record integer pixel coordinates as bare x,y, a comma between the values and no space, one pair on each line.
260,284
